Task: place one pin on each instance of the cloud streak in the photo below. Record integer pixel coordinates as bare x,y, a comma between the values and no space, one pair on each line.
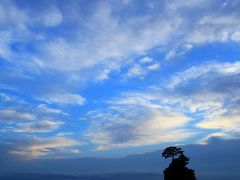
38,127
38,146
9,115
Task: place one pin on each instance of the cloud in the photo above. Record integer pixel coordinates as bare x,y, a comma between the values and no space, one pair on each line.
123,35
18,115
16,107
4,97
136,71
103,42
107,47
228,122
35,147
9,115
50,57
236,36
38,127
178,51
53,17
200,98
153,67
204,70
135,121
145,60
4,42
11,15
142,68
64,98
155,31
214,136
45,109
211,91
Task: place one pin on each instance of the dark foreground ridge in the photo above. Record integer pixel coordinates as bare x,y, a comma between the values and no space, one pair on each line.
114,176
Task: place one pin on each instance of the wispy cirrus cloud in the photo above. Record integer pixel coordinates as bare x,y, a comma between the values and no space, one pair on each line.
121,37
45,109
195,72
64,98
167,28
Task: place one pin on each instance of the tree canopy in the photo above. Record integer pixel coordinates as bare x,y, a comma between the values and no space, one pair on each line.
172,151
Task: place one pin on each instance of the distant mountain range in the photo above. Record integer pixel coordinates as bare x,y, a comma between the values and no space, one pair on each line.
114,176
217,160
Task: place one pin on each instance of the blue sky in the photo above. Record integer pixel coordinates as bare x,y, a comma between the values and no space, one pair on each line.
90,78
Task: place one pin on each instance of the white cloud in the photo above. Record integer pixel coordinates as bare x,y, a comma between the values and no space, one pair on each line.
45,109
141,69
107,48
136,71
171,54
4,44
236,36
4,97
175,5
206,139
153,67
64,98
53,17
203,70
216,20
104,40
211,91
9,115
133,121
145,60
101,41
135,99
227,118
19,115
38,127
178,51
65,55
12,15
108,40
201,97
103,75
229,123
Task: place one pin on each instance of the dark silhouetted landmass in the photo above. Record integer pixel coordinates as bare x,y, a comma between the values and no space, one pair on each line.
116,176
177,170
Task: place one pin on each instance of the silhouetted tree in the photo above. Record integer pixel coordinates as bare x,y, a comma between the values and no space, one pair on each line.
177,169
172,151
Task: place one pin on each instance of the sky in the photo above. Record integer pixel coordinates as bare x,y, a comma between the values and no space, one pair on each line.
110,78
